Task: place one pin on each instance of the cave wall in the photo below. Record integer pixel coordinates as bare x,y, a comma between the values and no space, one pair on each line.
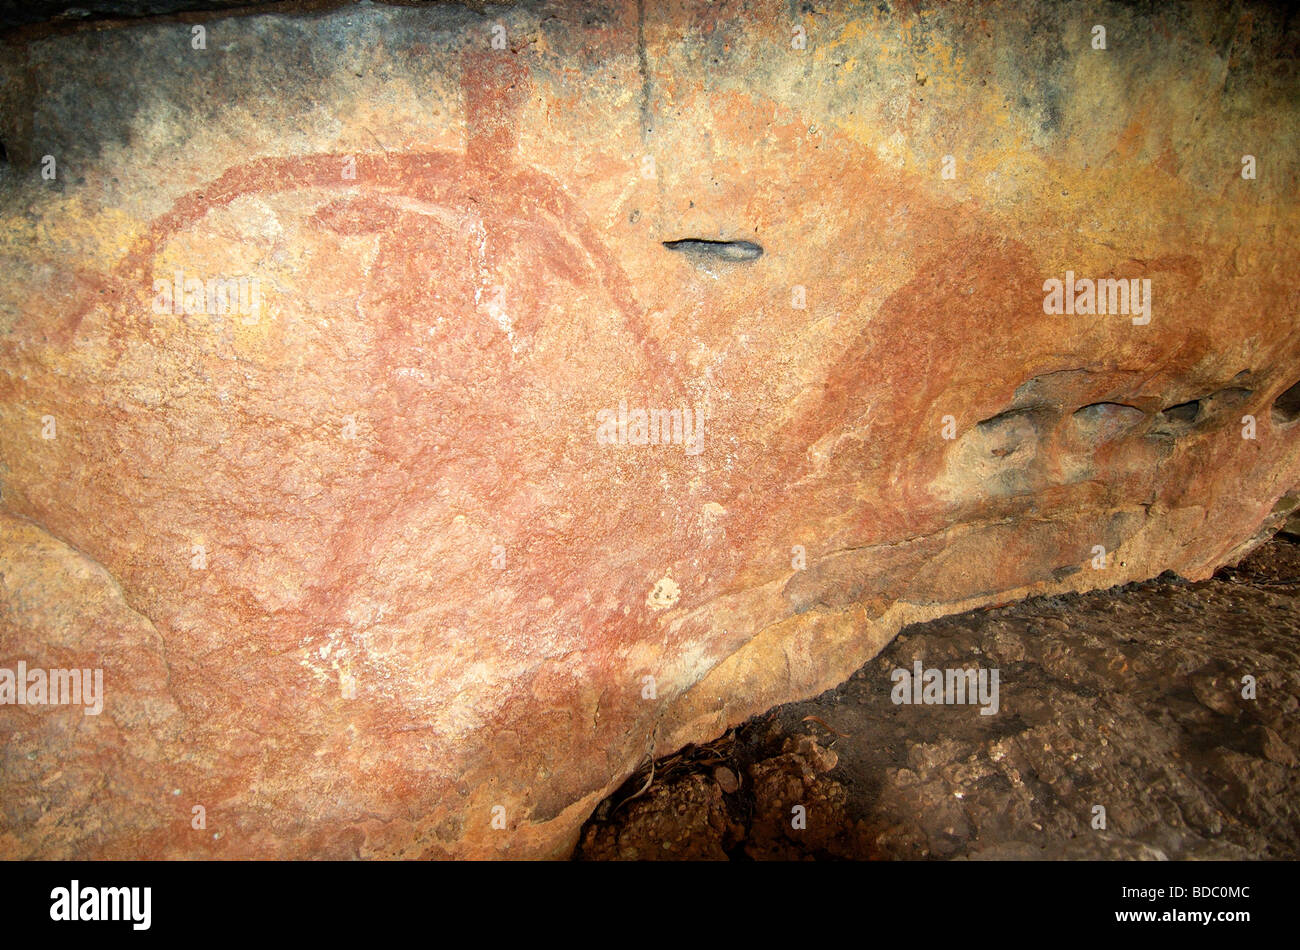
374,557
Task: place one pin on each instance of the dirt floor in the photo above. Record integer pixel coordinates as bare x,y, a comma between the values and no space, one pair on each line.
1129,699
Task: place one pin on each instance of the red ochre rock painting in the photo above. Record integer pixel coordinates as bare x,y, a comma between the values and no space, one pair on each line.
365,580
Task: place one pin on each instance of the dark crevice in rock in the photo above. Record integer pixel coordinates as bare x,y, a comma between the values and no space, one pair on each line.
1202,413
1031,413
1103,421
1286,407
1184,413
717,250
1008,432
1107,408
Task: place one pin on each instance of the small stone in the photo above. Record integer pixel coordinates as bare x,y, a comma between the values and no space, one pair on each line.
726,779
1272,746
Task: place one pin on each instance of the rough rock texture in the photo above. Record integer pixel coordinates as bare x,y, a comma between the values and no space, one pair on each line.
361,576
1129,699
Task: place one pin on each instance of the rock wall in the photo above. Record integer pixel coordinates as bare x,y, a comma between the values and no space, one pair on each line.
421,414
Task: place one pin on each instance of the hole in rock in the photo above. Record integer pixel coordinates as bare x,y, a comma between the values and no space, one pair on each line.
1006,433
1011,416
717,250
1102,421
1286,407
1230,398
1185,412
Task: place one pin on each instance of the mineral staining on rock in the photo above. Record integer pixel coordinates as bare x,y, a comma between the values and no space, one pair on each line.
665,594
361,578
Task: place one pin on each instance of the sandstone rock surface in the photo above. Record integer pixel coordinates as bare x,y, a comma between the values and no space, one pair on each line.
373,562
